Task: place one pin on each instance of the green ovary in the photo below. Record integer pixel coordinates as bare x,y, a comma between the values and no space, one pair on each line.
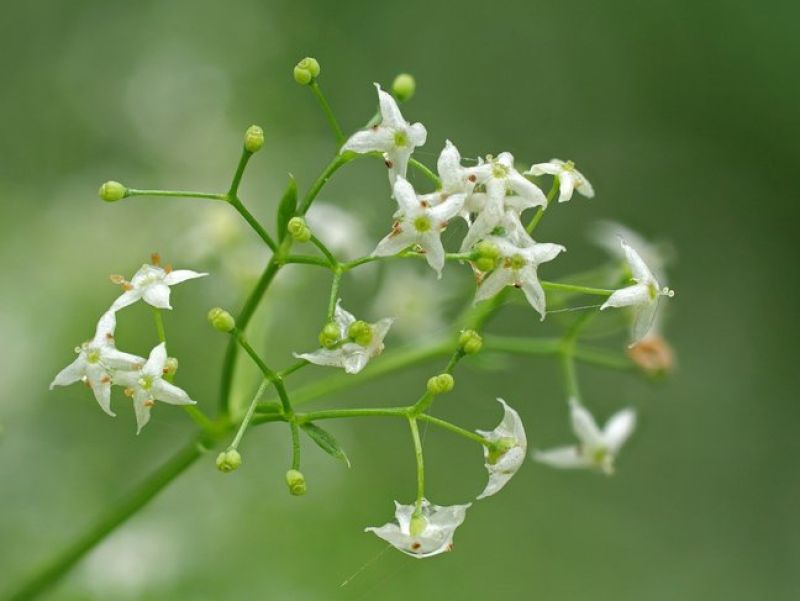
422,224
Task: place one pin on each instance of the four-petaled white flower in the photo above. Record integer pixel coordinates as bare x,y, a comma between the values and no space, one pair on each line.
152,283
97,360
422,533
569,178
506,189
455,178
395,137
419,220
350,355
518,267
597,448
147,385
643,295
506,458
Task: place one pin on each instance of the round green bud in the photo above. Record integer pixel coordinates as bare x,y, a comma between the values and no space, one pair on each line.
485,264
171,366
306,71
221,320
253,138
360,332
470,342
229,461
487,249
296,483
403,87
329,336
298,230
112,191
441,384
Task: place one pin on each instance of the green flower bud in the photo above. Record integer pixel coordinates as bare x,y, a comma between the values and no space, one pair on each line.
296,483
171,366
403,87
112,191
306,71
253,138
221,320
441,384
298,230
360,332
329,336
417,525
229,460
470,342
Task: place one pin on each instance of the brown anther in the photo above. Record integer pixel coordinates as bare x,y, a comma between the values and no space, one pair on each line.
653,355
396,229
109,336
86,382
473,178
416,546
105,379
129,392
450,547
168,267
116,278
127,286
374,127
424,204
155,259
149,403
389,164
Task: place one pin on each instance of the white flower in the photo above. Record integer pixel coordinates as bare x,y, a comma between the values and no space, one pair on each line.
597,448
147,385
351,355
455,178
643,295
512,444
151,283
569,178
420,221
506,189
393,136
518,267
96,362
424,533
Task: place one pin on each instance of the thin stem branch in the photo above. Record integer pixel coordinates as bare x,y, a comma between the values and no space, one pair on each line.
336,162
233,191
268,372
295,430
326,108
412,423
559,287
537,217
249,415
334,296
237,204
325,251
177,194
455,429
345,413
426,171
307,260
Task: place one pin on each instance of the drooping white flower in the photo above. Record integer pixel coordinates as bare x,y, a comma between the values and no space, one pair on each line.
351,355
643,295
151,283
422,533
597,448
512,445
569,178
420,221
395,137
147,385
519,267
506,189
97,360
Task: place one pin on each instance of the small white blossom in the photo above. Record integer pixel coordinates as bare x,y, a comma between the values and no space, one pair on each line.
151,283
506,459
569,178
97,360
420,221
455,178
425,533
147,385
506,189
643,295
395,137
597,448
350,355
519,267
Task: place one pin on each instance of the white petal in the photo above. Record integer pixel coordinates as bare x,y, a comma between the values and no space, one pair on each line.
405,195
641,273
566,184
169,393
70,374
584,426
141,410
484,223
417,134
396,242
324,357
114,359
343,318
502,471
643,320
100,383
542,252
381,328
449,168
618,429
562,457
125,299
529,281
526,189
494,283
181,275
104,333
157,294
542,168
434,251
154,367
398,158
355,361
638,294
390,112
582,185
369,140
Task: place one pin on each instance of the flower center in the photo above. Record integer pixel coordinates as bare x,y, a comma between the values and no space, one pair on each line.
422,224
501,447
599,455
93,356
516,262
499,171
652,291
568,166
400,139
146,382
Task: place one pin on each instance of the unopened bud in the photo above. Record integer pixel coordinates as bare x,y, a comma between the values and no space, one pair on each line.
441,384
253,138
296,483
403,87
653,355
306,71
329,336
486,255
470,342
298,229
171,366
360,332
112,191
229,460
221,320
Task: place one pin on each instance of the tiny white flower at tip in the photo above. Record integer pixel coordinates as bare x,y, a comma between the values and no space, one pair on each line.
96,362
644,295
422,533
569,178
506,189
395,137
419,221
350,356
519,267
151,284
147,385
597,449
455,178
504,462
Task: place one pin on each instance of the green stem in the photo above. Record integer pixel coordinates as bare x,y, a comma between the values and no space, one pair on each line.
570,376
177,194
408,254
334,296
159,321
233,191
237,204
326,108
325,251
338,161
268,373
537,217
559,287
345,413
249,415
424,170
554,346
455,429
307,260
412,423
295,430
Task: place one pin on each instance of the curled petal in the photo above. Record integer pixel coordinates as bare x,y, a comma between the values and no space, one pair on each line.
641,272
566,185
434,251
390,113
125,299
104,333
533,290
395,242
157,295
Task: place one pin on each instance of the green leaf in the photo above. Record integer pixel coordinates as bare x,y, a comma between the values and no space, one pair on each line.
325,441
287,207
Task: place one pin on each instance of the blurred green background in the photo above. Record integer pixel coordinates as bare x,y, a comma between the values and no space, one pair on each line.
683,115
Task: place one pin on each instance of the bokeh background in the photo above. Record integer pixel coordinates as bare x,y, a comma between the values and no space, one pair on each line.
682,113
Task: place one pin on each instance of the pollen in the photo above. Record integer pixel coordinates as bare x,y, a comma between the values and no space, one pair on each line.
168,268
116,278
416,547
105,380
149,403
128,392
155,259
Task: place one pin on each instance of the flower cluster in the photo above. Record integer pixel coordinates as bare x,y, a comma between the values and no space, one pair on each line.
100,365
